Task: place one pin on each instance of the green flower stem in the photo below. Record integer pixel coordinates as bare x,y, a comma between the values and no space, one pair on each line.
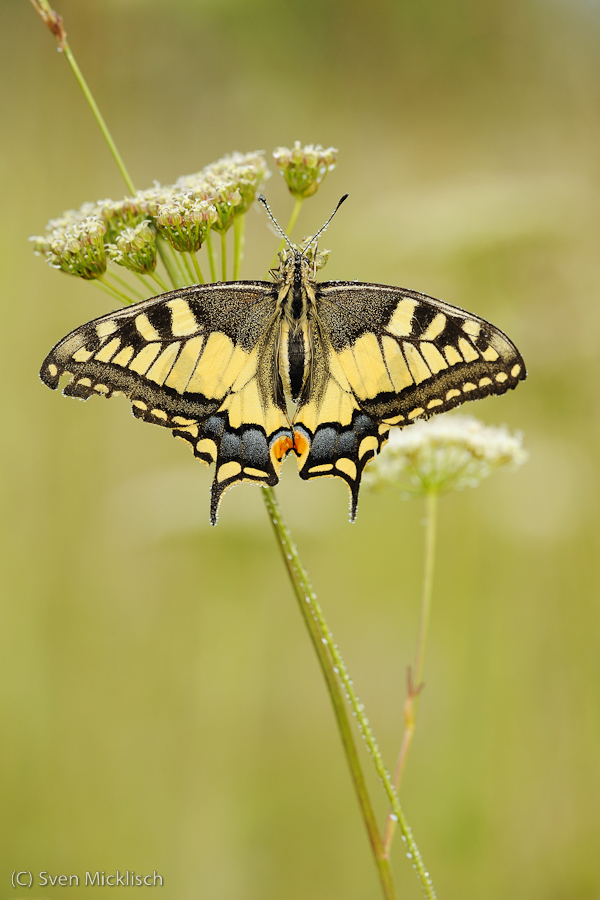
306,598
147,278
294,216
415,678
211,256
239,227
99,119
147,286
182,259
288,230
156,277
412,851
164,252
107,290
184,278
196,264
112,274
54,23
223,256
115,291
306,593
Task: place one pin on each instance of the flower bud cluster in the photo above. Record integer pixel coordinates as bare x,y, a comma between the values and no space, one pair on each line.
304,168
230,184
119,214
135,248
124,231
185,221
248,171
72,217
445,454
227,199
76,247
223,194
152,198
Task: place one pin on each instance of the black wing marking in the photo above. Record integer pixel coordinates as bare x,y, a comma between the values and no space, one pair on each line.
387,356
198,361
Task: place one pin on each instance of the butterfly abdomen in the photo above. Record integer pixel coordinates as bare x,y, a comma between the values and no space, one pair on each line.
296,362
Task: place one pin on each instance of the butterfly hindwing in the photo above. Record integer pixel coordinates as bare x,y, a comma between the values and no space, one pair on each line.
390,356
198,361
333,436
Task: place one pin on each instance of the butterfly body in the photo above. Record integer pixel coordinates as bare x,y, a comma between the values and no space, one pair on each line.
222,364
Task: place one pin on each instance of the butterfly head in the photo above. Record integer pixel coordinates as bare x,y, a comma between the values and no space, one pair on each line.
299,262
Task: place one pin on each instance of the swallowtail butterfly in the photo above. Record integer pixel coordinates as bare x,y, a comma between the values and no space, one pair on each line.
222,365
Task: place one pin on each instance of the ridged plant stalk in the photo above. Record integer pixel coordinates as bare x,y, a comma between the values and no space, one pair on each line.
335,672
415,675
211,256
239,230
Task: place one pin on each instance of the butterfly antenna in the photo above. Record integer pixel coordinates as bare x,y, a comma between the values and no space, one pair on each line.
324,227
261,199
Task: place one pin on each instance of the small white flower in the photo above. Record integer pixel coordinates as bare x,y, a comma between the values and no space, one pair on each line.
447,453
135,248
304,168
185,221
76,245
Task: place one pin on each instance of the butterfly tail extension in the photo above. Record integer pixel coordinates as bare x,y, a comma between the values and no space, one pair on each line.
240,454
335,451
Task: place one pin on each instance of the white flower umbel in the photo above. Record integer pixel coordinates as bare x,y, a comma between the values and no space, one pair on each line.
448,453
304,168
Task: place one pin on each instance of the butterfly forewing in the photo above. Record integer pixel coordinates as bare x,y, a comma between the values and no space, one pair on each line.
410,355
197,361
391,356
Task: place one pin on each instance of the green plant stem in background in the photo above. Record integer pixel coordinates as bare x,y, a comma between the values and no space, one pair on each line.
115,290
99,119
239,227
415,677
288,230
164,251
306,597
154,277
54,23
334,668
107,289
184,265
125,284
184,277
196,264
147,285
211,256
223,256
358,710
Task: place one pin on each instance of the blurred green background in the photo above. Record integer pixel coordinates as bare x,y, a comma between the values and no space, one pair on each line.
161,707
